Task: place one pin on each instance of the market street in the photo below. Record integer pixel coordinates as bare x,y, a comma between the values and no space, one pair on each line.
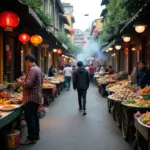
65,128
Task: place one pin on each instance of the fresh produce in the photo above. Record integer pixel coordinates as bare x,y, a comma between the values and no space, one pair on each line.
130,87
105,79
124,94
137,103
145,90
5,95
4,102
145,119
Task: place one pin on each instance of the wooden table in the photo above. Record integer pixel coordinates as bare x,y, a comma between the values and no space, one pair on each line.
49,94
115,107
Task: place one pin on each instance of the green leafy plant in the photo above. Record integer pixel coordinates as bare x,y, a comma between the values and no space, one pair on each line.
36,6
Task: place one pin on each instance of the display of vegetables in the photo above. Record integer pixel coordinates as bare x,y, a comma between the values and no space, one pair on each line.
137,103
145,118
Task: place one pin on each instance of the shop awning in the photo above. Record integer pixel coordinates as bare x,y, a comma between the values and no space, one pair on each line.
108,45
104,11
104,2
73,19
64,19
26,14
142,11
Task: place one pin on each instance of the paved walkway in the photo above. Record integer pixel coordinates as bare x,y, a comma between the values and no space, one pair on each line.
64,128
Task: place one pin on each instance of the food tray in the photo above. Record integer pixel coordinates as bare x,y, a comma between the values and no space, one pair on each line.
110,97
140,122
8,109
123,103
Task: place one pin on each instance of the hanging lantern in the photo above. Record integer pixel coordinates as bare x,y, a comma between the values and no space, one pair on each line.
118,47
140,28
133,48
96,31
24,38
59,51
126,51
110,48
54,50
36,40
126,38
9,20
71,31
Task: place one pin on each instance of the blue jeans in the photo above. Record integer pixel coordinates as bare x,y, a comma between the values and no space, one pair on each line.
67,81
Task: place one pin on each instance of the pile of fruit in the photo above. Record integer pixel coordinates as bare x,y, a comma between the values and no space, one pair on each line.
124,94
145,90
5,95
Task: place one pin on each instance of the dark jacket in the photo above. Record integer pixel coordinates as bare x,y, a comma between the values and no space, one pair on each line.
143,77
51,72
81,79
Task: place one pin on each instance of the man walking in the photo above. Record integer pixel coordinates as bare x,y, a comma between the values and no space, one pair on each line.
67,73
81,83
32,97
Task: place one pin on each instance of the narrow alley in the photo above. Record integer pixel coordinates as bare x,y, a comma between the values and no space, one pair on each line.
65,128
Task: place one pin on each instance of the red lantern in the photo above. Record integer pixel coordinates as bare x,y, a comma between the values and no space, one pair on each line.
59,51
126,51
9,20
71,31
96,31
24,38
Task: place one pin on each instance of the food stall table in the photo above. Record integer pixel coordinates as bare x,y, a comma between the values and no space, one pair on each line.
102,89
49,94
142,140
128,129
116,107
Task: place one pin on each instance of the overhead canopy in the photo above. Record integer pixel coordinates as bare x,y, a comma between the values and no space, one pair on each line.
64,19
104,11
73,19
139,15
104,2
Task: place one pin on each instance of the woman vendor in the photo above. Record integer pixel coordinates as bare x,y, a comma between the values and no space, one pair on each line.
142,75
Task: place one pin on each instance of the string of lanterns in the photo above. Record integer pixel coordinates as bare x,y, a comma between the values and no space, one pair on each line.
58,51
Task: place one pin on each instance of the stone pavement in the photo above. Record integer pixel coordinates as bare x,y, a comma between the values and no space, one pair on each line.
64,128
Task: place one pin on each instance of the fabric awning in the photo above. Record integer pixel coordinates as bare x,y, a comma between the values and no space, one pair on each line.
104,2
104,11
109,45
